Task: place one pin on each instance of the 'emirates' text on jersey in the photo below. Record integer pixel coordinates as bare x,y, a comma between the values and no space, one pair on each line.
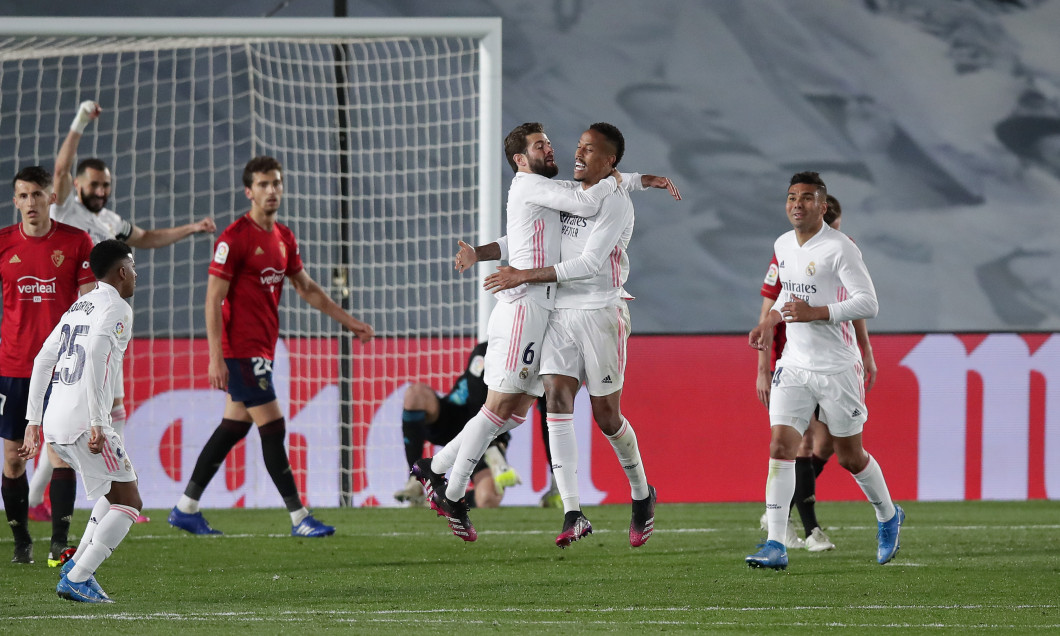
254,261
533,230
41,276
595,264
102,225
81,358
826,270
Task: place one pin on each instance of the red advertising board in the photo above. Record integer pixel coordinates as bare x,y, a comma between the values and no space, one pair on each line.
950,417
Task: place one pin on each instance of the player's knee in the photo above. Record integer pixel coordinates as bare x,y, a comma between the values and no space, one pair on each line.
418,397
14,465
853,462
780,449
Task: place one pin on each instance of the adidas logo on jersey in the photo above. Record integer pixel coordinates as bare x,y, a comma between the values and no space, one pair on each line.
606,380
258,251
780,264
15,259
856,413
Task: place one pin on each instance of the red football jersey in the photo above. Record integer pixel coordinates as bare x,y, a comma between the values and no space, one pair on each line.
41,276
254,261
771,290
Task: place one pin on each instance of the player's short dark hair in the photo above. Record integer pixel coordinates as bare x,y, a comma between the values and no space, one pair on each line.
106,255
834,210
93,163
614,137
34,174
258,165
516,141
809,178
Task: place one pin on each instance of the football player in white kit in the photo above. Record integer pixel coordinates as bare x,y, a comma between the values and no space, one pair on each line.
517,324
825,287
81,199
80,359
587,333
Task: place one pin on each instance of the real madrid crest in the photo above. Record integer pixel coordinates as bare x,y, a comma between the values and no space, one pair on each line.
525,373
811,269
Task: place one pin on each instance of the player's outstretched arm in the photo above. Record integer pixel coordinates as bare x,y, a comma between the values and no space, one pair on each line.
150,239
64,161
315,295
652,181
466,256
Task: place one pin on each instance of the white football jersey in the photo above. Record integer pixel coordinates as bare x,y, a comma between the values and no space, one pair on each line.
81,359
102,225
594,264
533,230
826,270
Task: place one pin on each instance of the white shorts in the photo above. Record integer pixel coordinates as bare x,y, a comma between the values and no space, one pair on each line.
841,396
98,471
516,333
590,345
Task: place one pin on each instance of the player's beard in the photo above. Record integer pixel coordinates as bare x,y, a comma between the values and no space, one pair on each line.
543,168
92,202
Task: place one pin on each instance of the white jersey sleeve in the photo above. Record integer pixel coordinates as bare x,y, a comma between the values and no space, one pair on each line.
854,276
43,366
559,195
616,216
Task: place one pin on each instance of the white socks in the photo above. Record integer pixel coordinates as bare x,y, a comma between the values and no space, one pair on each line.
625,444
875,488
110,531
477,435
188,505
780,488
564,446
446,458
298,515
101,508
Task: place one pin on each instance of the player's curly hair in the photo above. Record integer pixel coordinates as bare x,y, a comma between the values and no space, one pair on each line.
515,142
106,255
34,174
259,164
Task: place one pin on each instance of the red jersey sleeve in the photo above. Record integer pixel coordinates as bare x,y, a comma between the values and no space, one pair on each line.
226,257
771,284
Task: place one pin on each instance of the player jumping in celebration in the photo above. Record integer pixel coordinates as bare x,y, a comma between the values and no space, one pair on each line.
43,266
80,360
251,259
517,324
587,333
826,285
81,200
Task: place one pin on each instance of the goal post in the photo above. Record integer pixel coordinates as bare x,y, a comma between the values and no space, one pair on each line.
389,133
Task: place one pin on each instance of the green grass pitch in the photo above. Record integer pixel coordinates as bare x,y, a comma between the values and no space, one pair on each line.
984,566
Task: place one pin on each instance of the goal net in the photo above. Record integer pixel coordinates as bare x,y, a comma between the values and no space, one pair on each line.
388,132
